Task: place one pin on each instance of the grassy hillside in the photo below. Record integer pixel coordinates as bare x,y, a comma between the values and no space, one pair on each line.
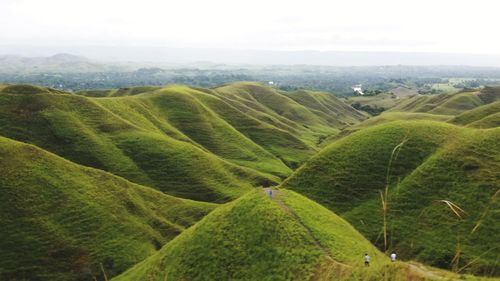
444,104
381,101
422,163
387,117
118,92
251,141
131,140
288,237
185,111
449,104
61,221
486,116
257,238
311,116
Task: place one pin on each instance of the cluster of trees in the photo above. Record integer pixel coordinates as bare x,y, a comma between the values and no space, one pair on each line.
372,110
338,80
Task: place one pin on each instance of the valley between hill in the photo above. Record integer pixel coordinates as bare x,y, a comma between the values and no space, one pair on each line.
165,183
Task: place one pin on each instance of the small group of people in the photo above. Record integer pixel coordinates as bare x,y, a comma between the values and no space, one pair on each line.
367,258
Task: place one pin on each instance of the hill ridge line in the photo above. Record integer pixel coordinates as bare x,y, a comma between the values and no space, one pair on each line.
276,196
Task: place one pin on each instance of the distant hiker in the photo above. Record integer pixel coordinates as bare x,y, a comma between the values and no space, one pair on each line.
271,192
393,257
367,260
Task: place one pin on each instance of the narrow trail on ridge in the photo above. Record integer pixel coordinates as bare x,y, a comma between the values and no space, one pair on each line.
276,197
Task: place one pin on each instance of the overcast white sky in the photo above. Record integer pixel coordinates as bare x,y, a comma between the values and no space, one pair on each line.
356,25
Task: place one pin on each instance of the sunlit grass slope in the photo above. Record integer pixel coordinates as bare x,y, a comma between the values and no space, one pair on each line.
263,122
449,104
486,116
387,117
62,221
288,237
255,238
436,163
189,112
87,132
307,115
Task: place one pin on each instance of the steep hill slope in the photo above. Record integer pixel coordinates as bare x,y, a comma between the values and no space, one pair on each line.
305,114
187,111
486,116
426,165
287,237
62,221
449,104
387,117
255,238
148,151
288,125
445,104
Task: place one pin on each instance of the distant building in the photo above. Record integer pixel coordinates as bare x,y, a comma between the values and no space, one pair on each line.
358,89
270,83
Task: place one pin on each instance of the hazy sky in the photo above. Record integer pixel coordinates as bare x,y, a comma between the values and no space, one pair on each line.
357,25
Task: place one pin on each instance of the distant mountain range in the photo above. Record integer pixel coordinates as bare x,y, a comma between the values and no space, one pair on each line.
256,57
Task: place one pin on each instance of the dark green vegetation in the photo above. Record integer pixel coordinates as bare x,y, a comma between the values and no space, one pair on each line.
432,171
69,72
62,221
421,178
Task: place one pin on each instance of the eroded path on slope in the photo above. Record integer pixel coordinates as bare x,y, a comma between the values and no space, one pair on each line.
277,197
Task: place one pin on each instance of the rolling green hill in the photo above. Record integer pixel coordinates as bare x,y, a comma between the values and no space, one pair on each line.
432,164
131,133
257,238
308,115
449,104
62,221
92,183
387,117
486,116
131,140
288,237
444,104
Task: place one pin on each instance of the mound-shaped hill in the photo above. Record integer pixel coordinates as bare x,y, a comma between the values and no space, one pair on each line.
486,116
287,237
387,117
433,171
257,238
186,111
446,104
62,221
133,134
142,147
309,115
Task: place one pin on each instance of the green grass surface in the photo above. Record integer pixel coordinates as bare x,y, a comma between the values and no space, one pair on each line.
288,237
61,221
202,144
437,162
385,101
254,238
310,116
387,117
64,220
131,140
449,104
486,116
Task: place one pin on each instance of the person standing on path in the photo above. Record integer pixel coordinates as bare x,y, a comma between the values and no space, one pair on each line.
270,192
367,260
393,257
